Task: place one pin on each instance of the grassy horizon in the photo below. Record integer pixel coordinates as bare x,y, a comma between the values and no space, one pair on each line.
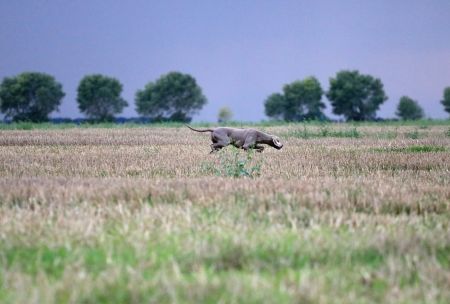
422,123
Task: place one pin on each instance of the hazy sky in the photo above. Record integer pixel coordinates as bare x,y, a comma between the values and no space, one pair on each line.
239,51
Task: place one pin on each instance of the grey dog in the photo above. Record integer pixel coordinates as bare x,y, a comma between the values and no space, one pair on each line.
240,138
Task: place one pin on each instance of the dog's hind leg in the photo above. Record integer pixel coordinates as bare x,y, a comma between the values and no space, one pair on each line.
219,141
216,147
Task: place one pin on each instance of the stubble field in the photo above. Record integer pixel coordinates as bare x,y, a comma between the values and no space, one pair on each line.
342,214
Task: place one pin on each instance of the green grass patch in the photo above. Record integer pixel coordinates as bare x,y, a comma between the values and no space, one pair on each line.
221,253
216,266
351,126
268,255
85,125
443,256
53,260
34,259
413,149
324,131
421,123
35,126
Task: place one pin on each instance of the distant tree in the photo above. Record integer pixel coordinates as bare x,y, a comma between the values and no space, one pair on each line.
30,96
173,97
356,96
99,97
224,115
446,101
274,106
300,100
303,99
409,109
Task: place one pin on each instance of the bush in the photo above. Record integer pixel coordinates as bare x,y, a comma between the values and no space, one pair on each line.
233,163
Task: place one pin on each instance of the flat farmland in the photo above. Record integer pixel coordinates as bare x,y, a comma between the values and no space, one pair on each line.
342,214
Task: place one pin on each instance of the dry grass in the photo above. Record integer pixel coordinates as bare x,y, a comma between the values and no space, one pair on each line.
139,215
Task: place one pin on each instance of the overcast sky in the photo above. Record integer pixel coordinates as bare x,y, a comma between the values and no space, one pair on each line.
239,51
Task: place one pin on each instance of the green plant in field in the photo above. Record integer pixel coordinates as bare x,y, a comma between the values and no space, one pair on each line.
233,163
448,132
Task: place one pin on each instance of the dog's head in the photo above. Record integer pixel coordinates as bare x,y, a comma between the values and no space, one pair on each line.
276,143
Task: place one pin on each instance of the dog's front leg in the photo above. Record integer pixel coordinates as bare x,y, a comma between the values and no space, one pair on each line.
249,143
258,148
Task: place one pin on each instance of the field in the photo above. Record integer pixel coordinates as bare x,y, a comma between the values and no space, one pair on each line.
342,214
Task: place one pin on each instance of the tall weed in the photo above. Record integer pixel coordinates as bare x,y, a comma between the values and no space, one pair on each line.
231,162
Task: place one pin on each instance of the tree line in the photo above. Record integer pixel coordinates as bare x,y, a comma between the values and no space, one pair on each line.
33,96
177,97
355,96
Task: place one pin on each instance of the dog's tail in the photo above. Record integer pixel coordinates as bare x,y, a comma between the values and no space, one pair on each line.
197,130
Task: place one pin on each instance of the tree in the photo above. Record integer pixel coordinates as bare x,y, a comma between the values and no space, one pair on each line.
274,106
99,97
356,96
225,114
30,97
446,101
173,97
409,109
303,100
300,100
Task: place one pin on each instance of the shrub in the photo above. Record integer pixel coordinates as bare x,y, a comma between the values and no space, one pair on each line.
233,163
